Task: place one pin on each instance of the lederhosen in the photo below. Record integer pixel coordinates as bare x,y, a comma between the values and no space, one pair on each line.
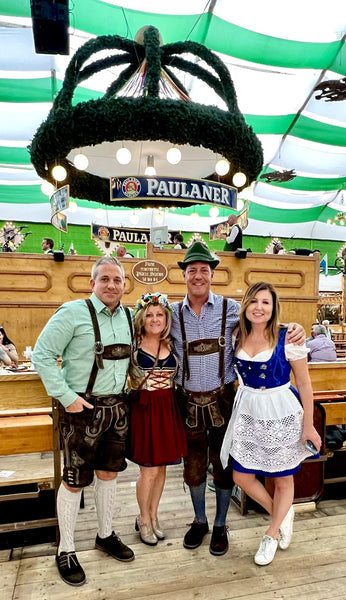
205,414
96,438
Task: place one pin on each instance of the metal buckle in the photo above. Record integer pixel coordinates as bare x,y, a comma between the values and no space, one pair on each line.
99,347
222,341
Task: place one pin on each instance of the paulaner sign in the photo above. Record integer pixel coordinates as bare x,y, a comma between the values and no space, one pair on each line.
104,233
175,190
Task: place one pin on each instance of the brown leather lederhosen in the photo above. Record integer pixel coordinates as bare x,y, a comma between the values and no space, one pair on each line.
206,414
96,438
202,407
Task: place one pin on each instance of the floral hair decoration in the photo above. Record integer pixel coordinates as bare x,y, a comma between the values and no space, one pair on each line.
155,299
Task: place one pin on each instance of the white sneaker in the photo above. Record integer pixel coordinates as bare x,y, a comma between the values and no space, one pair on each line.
286,530
266,551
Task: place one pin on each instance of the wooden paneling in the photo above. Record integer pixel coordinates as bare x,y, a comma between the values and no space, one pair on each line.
30,433
25,422
32,286
328,375
22,391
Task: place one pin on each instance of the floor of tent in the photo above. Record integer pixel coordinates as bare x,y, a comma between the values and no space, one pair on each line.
312,567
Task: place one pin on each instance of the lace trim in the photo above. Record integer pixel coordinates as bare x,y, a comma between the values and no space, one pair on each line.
280,446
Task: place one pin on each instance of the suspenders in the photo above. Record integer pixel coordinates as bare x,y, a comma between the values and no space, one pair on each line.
111,352
204,346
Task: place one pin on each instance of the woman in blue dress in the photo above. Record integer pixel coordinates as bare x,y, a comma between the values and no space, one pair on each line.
270,423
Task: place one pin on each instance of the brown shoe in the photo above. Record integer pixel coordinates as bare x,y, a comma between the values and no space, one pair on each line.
219,541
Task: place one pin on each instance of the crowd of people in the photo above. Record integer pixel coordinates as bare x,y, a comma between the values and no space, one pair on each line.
182,359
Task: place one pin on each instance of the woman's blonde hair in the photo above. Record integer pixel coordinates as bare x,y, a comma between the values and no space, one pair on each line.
139,323
273,325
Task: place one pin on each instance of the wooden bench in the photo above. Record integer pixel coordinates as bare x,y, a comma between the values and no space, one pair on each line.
25,415
334,403
27,435
21,432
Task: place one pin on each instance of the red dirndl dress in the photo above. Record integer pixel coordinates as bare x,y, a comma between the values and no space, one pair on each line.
157,434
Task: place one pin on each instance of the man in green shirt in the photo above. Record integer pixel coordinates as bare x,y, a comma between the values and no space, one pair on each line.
93,412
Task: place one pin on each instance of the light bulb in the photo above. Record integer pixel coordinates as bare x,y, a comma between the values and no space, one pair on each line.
123,156
59,173
247,193
73,206
240,204
47,188
80,161
214,212
173,156
222,166
239,179
150,171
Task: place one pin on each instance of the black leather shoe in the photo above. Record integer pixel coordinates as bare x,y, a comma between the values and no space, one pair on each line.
219,541
114,546
69,568
193,538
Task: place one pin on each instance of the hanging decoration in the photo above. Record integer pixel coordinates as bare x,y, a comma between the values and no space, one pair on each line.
339,219
275,247
11,236
147,101
196,237
340,261
279,176
333,90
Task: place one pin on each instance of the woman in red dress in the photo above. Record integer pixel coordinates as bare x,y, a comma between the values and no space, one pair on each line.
157,435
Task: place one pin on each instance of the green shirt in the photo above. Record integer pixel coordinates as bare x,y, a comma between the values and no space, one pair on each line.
70,334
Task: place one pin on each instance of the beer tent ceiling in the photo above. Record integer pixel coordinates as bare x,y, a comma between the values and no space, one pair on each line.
276,54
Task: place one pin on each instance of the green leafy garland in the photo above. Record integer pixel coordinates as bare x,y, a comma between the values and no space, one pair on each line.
113,118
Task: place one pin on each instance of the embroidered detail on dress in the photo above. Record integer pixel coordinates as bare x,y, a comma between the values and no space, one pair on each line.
262,376
263,367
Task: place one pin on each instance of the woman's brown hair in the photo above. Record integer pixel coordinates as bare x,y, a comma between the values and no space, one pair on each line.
273,325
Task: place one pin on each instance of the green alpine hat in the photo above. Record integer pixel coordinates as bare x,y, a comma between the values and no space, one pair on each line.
198,253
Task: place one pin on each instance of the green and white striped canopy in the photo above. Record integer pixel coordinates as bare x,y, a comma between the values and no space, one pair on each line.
277,55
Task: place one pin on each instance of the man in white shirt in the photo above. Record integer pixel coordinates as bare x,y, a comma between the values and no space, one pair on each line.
234,239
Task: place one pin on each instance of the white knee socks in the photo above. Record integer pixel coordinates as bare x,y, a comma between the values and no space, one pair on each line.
105,502
68,504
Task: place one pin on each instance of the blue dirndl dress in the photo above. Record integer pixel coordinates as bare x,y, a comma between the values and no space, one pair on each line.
265,430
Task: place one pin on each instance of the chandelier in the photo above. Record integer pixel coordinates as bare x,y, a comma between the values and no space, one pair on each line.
146,101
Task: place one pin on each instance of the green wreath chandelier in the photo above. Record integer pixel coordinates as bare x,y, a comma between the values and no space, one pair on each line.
144,115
